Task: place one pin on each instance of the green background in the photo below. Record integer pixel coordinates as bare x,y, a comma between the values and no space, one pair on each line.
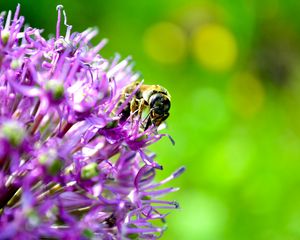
232,68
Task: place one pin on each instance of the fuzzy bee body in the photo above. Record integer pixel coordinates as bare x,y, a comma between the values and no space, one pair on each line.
153,98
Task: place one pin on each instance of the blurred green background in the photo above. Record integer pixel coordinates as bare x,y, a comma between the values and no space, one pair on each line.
232,68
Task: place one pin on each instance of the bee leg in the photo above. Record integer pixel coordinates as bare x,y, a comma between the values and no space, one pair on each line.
134,105
137,106
148,122
141,108
134,109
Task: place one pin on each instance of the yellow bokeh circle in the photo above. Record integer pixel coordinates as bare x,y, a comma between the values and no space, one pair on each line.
246,94
214,47
166,43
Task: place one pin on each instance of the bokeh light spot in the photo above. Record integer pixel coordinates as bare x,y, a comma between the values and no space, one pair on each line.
166,43
214,46
246,95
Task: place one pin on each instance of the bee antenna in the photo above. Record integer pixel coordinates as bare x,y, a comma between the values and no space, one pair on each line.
171,139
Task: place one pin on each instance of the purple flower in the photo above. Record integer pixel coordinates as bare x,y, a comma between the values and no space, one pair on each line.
69,169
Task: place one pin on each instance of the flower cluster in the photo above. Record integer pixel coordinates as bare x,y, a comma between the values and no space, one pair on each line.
69,169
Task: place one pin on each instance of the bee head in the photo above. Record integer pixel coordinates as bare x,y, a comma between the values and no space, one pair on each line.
159,103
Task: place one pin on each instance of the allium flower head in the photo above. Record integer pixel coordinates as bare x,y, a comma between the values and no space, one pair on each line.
69,169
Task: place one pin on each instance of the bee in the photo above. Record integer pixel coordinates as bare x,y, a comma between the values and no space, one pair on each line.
153,98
